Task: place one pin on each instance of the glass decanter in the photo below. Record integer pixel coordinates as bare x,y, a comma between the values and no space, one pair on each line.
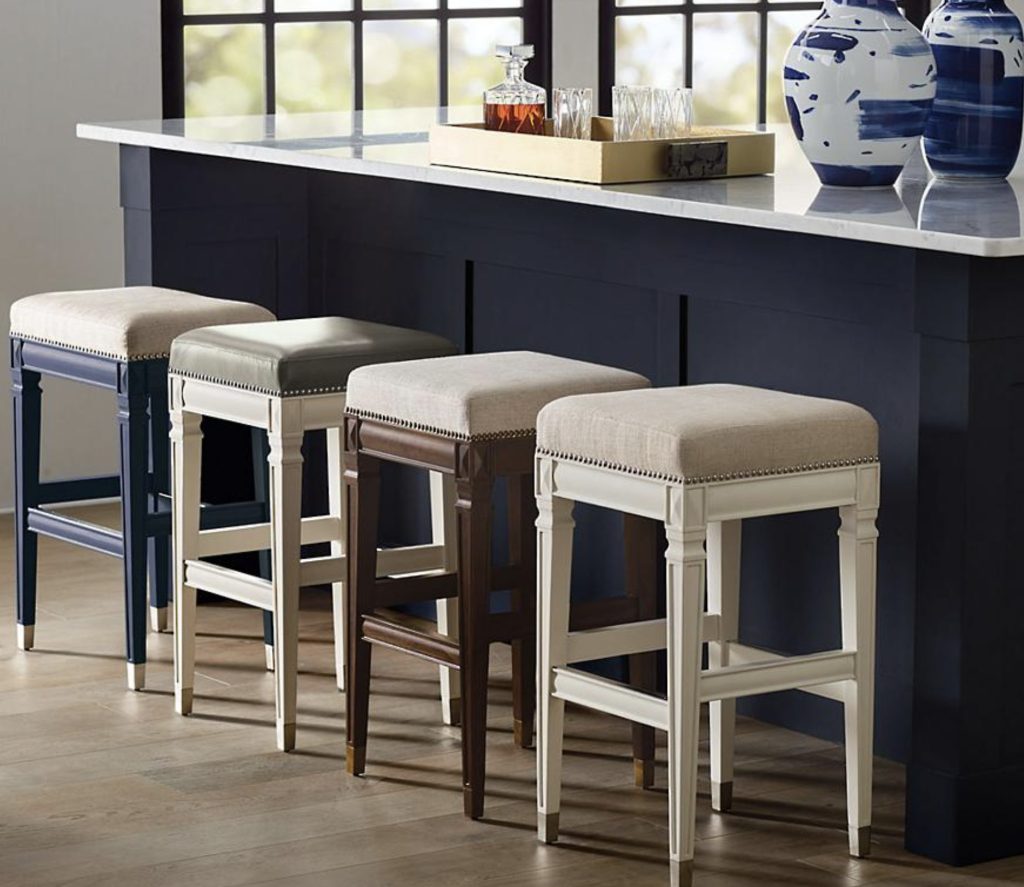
515,105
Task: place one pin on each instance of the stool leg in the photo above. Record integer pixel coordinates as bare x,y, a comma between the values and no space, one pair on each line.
362,490
522,520
857,564
286,556
260,486
554,575
27,402
132,417
473,505
186,477
685,587
641,585
159,546
724,544
336,500
443,532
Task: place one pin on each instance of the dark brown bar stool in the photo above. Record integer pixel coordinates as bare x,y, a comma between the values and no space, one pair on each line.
472,417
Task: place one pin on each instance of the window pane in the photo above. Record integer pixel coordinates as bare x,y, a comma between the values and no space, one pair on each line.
399,4
314,66
647,2
312,5
485,4
782,30
223,70
218,7
401,64
649,50
472,67
725,67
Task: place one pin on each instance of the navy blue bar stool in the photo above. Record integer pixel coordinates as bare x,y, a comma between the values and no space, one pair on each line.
119,340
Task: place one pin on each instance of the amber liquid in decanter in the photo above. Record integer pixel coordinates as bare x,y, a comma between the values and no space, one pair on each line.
515,105
527,119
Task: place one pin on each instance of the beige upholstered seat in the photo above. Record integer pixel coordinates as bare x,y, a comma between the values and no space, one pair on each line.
311,355
477,396
128,323
707,432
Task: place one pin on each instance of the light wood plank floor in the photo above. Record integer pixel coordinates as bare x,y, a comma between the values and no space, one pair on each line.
100,786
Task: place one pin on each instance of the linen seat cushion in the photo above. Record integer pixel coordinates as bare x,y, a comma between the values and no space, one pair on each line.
293,357
477,396
126,323
704,433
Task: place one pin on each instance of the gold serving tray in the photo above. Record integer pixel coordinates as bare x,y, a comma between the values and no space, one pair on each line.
707,152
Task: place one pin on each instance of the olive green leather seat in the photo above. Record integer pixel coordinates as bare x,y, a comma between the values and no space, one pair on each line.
296,357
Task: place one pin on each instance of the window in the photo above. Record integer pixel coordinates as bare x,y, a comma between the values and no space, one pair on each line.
729,51
226,57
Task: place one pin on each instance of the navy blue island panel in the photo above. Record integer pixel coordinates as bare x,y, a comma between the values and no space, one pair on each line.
925,332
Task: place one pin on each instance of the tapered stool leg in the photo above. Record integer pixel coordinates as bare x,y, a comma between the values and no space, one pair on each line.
473,506
523,551
132,408
362,490
27,402
286,554
159,547
261,493
554,579
642,586
857,566
336,505
724,545
186,471
685,559
445,533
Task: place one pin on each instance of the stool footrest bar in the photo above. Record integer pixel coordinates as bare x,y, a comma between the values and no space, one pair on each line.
610,697
433,647
77,532
390,592
773,675
741,654
231,584
79,489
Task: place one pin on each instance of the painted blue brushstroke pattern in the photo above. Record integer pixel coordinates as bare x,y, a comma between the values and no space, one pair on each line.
892,118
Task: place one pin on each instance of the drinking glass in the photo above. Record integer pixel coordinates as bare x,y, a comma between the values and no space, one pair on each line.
572,109
631,110
672,113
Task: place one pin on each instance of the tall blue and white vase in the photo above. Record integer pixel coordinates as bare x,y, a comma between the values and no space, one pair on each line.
975,127
859,83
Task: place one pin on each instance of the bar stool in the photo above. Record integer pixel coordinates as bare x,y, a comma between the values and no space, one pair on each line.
470,417
701,459
119,340
287,378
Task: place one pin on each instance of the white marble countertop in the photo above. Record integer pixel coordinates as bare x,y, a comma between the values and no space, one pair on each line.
920,212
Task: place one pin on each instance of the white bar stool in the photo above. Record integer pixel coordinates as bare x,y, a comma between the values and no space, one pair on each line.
701,459
286,377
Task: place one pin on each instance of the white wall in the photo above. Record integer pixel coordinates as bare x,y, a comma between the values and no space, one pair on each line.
62,62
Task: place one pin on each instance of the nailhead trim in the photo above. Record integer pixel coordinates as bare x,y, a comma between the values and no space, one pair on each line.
707,478
256,389
442,432
54,343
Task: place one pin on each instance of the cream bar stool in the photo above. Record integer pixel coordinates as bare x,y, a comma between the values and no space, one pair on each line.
288,378
118,340
701,459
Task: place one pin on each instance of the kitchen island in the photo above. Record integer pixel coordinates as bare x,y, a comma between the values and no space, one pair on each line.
904,300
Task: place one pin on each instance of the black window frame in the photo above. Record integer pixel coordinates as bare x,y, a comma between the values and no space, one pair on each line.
916,11
536,15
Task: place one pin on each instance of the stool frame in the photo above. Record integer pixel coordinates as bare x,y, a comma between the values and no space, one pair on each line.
695,514
285,419
471,468
143,484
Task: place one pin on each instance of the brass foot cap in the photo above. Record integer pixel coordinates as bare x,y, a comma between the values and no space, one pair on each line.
285,737
136,675
643,773
522,733
158,618
183,700
681,873
268,652
721,796
547,827
26,636
472,806
860,842
452,712
355,760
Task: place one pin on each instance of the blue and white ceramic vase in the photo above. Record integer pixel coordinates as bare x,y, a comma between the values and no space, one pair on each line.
975,127
859,83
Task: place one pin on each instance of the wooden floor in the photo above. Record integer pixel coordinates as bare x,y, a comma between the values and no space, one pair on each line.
101,786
